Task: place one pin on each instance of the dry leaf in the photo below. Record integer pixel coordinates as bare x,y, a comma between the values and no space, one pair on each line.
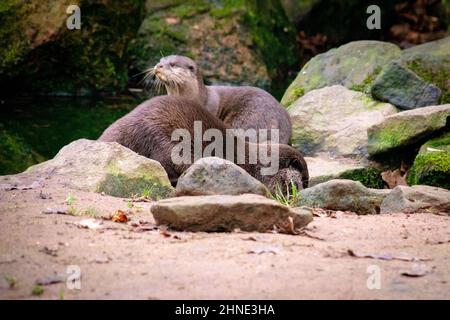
119,216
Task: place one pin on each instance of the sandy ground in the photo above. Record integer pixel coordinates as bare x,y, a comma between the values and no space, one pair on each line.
124,261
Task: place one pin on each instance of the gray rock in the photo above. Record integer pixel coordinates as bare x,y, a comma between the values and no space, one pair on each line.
418,78
212,175
417,199
248,212
101,167
335,120
406,128
351,65
403,88
343,195
322,168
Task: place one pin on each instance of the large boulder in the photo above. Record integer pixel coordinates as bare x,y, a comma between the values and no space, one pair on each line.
353,65
248,212
407,128
212,175
39,54
418,78
417,199
101,167
244,42
432,165
335,120
344,195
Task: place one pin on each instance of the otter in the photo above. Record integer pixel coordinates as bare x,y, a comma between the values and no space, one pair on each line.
147,130
241,107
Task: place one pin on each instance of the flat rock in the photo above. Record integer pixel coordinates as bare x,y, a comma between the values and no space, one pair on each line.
101,167
335,120
248,212
350,65
406,128
417,199
212,175
344,195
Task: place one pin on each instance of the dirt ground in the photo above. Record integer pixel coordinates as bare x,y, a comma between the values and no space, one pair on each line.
136,260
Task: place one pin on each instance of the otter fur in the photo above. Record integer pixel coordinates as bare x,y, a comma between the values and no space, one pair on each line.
147,130
240,107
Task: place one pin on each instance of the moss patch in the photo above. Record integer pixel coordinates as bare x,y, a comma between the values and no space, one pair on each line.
233,41
366,85
369,177
67,62
432,164
431,169
119,185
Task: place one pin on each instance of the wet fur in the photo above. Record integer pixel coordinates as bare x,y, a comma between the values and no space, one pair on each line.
148,128
239,107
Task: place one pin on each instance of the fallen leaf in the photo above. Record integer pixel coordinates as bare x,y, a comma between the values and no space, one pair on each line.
119,216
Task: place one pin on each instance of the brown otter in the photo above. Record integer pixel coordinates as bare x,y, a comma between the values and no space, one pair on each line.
239,107
148,129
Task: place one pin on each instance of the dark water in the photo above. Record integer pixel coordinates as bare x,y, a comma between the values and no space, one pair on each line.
34,130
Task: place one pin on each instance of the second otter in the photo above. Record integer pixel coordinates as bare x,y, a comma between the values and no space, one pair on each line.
239,107
148,130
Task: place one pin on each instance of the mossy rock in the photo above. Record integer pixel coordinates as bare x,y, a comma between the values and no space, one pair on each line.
418,78
39,54
335,119
370,177
354,65
432,164
243,42
96,166
407,128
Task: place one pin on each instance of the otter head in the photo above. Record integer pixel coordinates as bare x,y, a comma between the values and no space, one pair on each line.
292,172
180,76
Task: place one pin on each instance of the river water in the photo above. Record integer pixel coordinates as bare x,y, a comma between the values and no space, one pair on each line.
34,130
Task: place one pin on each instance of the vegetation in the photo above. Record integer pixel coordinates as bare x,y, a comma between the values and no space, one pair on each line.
289,197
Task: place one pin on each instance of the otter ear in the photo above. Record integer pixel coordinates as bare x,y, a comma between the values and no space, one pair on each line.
295,163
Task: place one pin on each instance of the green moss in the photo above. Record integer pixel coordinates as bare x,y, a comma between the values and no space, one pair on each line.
436,75
297,93
119,185
431,168
369,177
15,154
442,143
366,85
37,290
73,62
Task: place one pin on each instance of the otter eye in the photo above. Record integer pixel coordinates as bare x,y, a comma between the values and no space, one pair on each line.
172,64
191,68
